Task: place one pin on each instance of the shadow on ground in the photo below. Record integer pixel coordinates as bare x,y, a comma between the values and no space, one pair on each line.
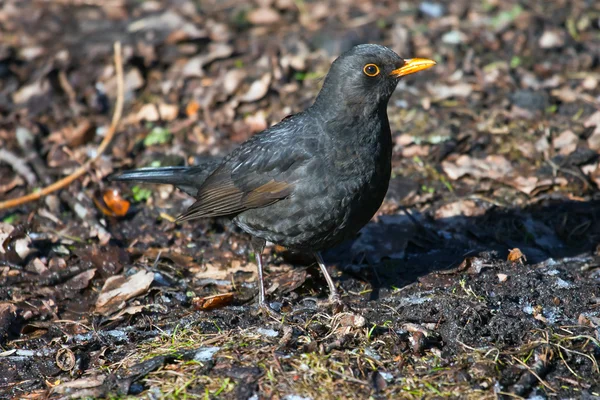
398,249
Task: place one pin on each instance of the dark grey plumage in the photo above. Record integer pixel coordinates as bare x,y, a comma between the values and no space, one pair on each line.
312,180
185,178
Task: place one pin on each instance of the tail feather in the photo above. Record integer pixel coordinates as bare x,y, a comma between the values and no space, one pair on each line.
188,179
151,175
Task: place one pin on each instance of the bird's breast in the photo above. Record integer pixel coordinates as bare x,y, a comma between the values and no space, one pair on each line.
336,193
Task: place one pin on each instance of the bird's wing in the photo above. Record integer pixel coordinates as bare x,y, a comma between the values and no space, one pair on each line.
259,173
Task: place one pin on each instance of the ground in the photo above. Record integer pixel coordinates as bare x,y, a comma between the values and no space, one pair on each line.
478,278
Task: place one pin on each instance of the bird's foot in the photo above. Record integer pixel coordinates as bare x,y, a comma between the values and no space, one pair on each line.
266,310
335,303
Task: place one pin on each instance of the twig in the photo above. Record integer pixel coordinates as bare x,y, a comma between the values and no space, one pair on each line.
349,378
18,165
516,396
61,184
534,373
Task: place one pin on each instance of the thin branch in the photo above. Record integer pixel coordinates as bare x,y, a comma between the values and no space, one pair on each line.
532,372
66,181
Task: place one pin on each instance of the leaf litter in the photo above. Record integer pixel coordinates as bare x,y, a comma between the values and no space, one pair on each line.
478,277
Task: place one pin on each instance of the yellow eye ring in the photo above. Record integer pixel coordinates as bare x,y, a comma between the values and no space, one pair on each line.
371,70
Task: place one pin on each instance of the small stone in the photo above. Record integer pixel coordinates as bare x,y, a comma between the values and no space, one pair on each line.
551,39
530,100
433,10
454,37
205,353
267,332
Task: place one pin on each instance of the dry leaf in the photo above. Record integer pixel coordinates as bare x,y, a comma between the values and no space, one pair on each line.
78,282
193,68
441,92
516,256
258,89
118,289
84,383
524,184
468,208
594,139
263,16
80,134
192,108
566,142
20,246
473,265
256,122
212,302
160,112
25,93
493,167
112,204
232,80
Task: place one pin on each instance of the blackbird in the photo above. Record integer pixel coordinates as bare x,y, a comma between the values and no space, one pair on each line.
315,178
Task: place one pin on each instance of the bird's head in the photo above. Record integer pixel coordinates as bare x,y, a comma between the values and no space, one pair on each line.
364,78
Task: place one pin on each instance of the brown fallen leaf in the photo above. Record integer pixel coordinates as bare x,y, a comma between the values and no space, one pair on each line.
441,92
118,289
112,204
79,384
76,283
566,142
192,108
525,184
468,208
26,92
14,242
132,310
194,66
232,80
115,202
288,281
352,320
475,265
493,166
10,184
181,260
258,89
263,16
256,122
212,302
516,256
540,317
157,112
80,134
594,139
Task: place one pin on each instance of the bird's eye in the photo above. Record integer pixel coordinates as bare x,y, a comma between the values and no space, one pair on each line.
371,70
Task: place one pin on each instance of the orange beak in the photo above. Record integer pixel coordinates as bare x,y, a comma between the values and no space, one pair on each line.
413,65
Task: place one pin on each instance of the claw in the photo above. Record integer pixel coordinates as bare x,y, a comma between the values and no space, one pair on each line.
335,303
266,310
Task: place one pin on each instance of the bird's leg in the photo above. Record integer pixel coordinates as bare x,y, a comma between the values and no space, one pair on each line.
258,246
334,297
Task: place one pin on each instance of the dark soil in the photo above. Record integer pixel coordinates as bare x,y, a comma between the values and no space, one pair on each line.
478,278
